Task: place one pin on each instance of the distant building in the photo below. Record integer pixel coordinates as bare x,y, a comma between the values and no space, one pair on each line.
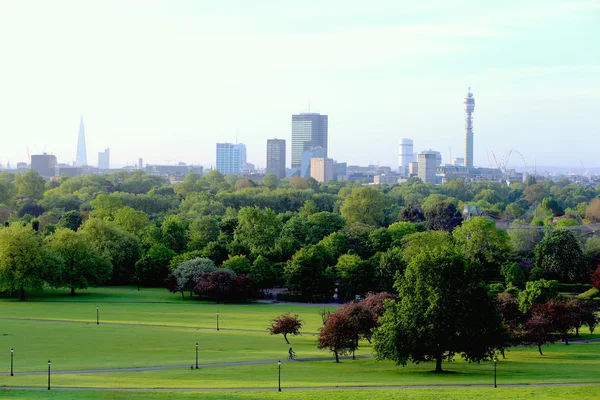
72,171
173,170
413,168
427,167
340,171
104,159
276,157
140,163
321,169
471,211
231,158
385,179
406,155
81,157
44,164
315,152
458,161
309,130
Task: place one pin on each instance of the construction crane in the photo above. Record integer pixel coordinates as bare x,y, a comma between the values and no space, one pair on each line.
489,161
586,172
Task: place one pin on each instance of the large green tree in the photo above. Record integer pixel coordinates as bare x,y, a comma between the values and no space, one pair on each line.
308,273
365,205
483,244
22,259
443,309
561,252
82,264
30,185
257,228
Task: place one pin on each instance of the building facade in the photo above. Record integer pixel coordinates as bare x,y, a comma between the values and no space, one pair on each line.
44,164
427,167
104,159
406,155
316,152
308,130
81,157
276,157
231,158
321,169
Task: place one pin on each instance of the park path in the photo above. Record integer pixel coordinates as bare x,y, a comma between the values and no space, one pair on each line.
311,388
140,324
158,368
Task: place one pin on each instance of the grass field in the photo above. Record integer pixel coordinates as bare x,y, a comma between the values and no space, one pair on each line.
546,393
62,328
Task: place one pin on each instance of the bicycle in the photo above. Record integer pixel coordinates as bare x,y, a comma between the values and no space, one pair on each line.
291,355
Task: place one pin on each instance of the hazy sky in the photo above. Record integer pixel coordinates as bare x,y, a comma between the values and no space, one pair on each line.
166,80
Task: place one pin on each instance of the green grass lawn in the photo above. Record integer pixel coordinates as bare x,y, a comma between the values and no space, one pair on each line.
133,307
546,393
79,345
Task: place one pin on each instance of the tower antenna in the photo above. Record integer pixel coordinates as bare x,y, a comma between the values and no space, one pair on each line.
309,105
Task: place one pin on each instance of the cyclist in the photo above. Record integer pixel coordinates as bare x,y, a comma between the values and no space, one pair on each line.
292,354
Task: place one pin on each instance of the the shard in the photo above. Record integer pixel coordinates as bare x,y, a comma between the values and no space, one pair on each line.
81,159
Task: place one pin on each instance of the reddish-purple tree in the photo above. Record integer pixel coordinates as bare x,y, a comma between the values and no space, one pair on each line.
512,317
375,302
560,315
218,285
538,331
286,324
596,278
583,313
338,335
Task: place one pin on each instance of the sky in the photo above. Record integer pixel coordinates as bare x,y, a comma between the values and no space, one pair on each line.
167,80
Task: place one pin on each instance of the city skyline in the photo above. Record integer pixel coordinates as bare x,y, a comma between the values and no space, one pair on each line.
534,86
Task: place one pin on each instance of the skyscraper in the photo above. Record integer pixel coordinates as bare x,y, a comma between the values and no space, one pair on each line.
104,159
276,157
469,108
231,158
44,164
321,169
81,158
406,155
308,130
427,166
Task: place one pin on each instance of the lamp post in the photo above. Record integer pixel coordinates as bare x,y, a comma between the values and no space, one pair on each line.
196,355
12,354
217,320
495,362
279,376
97,316
48,374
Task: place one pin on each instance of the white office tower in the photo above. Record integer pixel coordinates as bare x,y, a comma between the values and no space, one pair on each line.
469,108
406,155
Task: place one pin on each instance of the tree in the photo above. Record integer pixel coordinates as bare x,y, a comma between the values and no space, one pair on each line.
355,276
238,264
104,206
188,273
257,228
483,244
391,267
262,272
515,275
443,309
308,273
218,285
561,252
123,249
562,320
592,212
270,180
537,292
322,224
596,278
203,230
442,216
583,312
153,268
365,205
30,185
82,264
512,317
338,335
21,259
129,220
174,233
286,324
71,220
538,331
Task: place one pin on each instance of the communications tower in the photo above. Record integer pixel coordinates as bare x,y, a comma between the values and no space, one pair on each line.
469,108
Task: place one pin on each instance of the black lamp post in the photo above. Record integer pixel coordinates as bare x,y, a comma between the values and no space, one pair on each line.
48,374
495,362
97,316
217,320
196,355
12,354
279,376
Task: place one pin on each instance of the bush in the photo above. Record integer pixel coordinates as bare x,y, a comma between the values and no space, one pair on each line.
589,294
